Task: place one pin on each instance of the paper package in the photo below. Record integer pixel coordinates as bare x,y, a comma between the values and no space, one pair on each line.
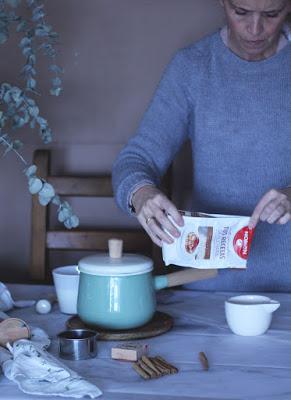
210,241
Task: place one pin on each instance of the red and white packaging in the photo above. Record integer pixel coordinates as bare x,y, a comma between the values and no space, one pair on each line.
210,241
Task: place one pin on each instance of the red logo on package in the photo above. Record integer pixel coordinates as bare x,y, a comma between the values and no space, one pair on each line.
242,242
191,243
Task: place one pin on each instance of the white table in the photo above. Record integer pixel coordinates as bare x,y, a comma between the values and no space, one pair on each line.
241,368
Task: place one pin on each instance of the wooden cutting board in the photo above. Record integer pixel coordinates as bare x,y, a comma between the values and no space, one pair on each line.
160,323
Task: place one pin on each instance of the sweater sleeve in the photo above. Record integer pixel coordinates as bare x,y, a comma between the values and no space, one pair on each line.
160,135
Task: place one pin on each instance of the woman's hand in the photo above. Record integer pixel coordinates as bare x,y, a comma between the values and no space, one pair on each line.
152,208
274,208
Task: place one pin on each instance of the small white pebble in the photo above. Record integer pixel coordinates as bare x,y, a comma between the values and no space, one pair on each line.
43,306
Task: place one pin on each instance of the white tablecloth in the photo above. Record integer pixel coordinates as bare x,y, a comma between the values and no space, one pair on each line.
241,368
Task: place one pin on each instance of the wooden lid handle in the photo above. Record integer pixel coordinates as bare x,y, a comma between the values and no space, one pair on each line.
115,248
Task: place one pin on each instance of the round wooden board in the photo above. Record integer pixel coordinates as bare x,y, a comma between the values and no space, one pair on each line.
160,323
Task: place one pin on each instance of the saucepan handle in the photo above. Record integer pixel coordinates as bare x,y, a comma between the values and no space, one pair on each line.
184,276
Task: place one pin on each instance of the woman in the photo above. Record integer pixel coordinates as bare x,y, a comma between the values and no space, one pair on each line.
230,93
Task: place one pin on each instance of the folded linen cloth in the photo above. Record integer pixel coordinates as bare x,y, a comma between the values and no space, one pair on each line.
38,336
37,372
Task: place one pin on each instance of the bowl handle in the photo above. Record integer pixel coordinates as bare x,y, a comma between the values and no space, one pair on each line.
187,275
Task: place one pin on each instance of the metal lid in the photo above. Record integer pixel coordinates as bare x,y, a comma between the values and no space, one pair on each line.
103,265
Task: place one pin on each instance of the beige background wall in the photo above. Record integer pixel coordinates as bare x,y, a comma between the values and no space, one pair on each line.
113,53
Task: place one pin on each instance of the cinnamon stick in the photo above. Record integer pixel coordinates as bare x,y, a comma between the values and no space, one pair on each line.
204,361
173,369
140,371
147,369
151,365
163,370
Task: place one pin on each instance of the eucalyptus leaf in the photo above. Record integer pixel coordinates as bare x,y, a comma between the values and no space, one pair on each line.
38,15
56,81
16,95
27,69
5,86
42,122
44,201
46,135
7,97
33,111
68,223
55,68
27,51
56,200
35,185
63,214
29,101
25,42
17,144
55,91
66,205
31,83
43,30
11,110
3,37
18,122
71,222
31,59
22,26
74,221
54,35
30,171
47,190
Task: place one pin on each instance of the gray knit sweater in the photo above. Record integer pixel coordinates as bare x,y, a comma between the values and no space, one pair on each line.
237,115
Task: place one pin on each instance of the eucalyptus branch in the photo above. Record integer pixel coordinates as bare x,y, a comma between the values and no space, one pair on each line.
20,109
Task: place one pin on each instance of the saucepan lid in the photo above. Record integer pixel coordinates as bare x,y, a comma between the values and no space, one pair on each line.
115,263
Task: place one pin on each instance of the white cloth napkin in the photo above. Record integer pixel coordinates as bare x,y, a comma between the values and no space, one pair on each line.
32,368
37,372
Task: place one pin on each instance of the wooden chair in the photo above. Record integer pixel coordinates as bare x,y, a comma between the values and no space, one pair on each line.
44,239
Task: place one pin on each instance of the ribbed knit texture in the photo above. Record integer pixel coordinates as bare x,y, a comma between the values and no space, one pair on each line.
237,115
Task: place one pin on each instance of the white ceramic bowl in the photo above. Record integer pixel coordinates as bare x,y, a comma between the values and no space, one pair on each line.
66,281
250,315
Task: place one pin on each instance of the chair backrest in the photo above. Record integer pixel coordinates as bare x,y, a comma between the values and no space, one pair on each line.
44,239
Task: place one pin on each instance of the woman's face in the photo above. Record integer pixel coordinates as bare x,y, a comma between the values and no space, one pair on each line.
255,26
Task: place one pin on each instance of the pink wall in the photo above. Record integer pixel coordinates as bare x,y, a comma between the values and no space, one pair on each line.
113,52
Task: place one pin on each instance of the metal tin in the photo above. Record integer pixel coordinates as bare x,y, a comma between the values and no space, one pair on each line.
77,344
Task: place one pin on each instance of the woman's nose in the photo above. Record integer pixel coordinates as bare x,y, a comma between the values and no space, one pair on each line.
255,26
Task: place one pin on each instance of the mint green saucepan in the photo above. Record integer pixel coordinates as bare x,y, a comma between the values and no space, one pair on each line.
119,293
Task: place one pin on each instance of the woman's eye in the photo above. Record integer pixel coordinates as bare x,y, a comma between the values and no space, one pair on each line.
272,15
240,12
